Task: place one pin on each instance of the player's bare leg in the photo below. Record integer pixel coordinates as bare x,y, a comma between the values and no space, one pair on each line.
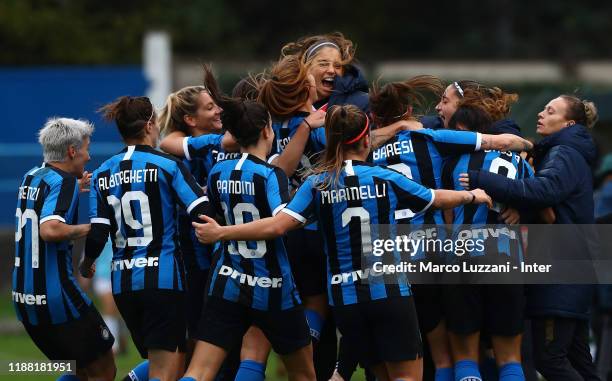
507,349
299,364
165,365
405,370
464,347
440,346
206,361
103,368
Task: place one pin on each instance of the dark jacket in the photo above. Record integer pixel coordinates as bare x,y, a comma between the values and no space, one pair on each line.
505,126
563,181
351,88
433,122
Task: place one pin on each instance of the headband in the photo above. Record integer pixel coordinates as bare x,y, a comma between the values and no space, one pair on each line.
318,46
361,134
459,89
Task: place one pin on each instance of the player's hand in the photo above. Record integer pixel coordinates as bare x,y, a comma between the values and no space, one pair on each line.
410,125
84,182
87,270
482,198
510,216
464,180
208,232
316,119
548,215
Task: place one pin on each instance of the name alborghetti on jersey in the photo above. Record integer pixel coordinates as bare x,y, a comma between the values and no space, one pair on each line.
136,193
44,290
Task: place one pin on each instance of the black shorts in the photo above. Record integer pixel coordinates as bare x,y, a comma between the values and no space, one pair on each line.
85,339
223,324
196,297
381,330
429,303
307,259
494,309
156,319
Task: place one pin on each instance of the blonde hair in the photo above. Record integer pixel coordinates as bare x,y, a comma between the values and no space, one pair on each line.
580,110
178,105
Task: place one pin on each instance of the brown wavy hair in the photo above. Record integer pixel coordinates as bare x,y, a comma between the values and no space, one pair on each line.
301,46
392,101
286,89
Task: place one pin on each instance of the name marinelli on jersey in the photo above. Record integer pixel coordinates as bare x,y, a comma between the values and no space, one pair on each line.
251,280
236,187
354,193
147,175
28,193
392,149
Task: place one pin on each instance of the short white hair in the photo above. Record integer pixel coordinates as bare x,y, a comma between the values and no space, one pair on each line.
58,134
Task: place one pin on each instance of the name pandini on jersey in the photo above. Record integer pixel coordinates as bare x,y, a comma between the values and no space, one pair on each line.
236,187
127,177
354,193
392,149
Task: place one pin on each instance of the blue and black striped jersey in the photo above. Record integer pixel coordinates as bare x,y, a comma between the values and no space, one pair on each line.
284,131
420,154
471,216
366,195
136,192
201,154
254,273
44,289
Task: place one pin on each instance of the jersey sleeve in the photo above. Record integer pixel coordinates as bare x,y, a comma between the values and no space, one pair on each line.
302,206
199,146
451,142
61,199
317,138
412,197
277,190
187,191
98,207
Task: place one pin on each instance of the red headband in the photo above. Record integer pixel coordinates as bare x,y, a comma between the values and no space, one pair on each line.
365,129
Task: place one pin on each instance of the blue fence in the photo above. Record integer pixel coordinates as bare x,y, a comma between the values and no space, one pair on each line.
28,97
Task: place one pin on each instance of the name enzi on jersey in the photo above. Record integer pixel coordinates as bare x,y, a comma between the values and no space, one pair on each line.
128,176
28,193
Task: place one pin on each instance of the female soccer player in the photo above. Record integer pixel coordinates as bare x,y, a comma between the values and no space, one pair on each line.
496,309
47,298
345,195
251,283
133,197
563,180
420,155
329,59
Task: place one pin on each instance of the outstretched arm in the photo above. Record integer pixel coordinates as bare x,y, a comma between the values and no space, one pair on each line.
505,142
173,143
381,135
266,228
446,199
